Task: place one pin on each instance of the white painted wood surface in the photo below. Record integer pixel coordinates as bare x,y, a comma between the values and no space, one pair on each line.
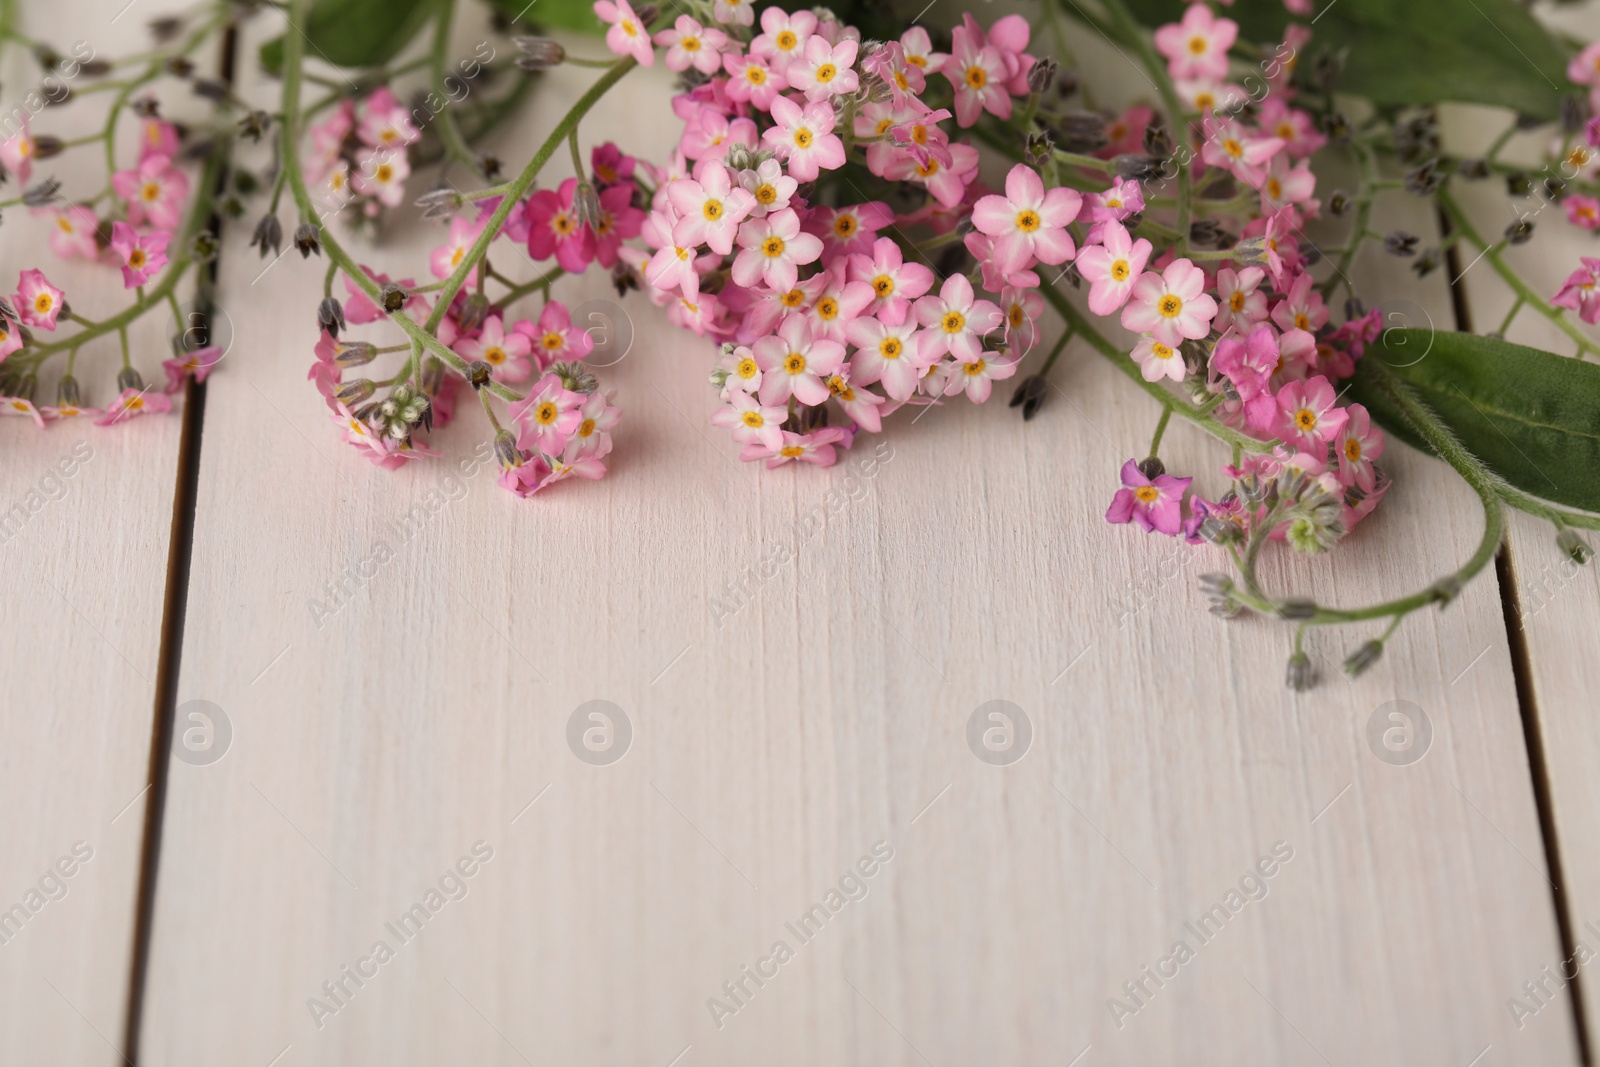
85,564
1557,603
372,752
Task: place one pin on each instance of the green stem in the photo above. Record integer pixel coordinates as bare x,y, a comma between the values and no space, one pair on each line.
1161,429
1156,67
449,133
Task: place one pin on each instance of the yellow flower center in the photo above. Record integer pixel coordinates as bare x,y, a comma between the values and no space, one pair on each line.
786,40
828,307
586,428
794,298
772,247
1161,351
1236,302
766,194
844,225
883,285
794,363
792,451
755,75
136,258
1197,45
547,413
553,340
1027,221
977,77
384,173
953,321
1233,147
43,303
495,355
690,44
1120,270
630,27
753,419
1306,419
1015,316
1170,306
972,370
150,192
803,138
826,73
890,348
1147,494
135,403
712,210
1352,450
747,368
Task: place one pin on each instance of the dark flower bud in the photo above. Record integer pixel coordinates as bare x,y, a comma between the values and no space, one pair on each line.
1554,187
41,193
538,53
393,298
1474,169
1152,468
1297,609
1326,68
1066,83
439,203
1037,148
253,125
1073,276
489,166
330,316
477,374
474,310
1220,532
45,146
1573,547
203,247
1042,75
1300,675
232,207
575,376
433,372
94,68
1205,233
308,239
648,13
179,67
1218,588
1354,307
1363,658
25,387
46,56
1519,232
355,391
1157,139
147,107
1030,395
355,354
1337,127
67,393
165,29
1311,254
1518,184
1400,243
1140,168
1428,262
1425,180
128,378
268,235
1574,113
623,279
1083,132
211,89
506,450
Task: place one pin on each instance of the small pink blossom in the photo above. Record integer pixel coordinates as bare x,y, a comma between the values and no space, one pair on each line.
547,416
794,363
447,257
768,185
752,81
154,191
783,36
38,302
142,255
131,403
72,231
823,70
22,407
886,353
1028,223
1172,306
17,152
381,173
750,421
1157,360
710,208
197,364
1582,211
976,378
554,337
895,283
955,322
553,227
772,251
157,138
1359,444
1581,291
1241,305
1249,363
1153,504
1197,47
506,351
1308,415
978,72
690,44
804,139
1302,309
1113,267
816,447
627,35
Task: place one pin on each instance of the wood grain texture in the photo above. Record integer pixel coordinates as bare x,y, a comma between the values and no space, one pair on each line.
87,518
828,713
1557,602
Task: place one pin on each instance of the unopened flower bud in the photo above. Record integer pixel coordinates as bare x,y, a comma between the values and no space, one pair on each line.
1152,468
1030,395
1297,609
1220,532
42,193
393,298
1428,262
478,374
439,203
1362,658
1519,232
1424,180
506,450
128,378
355,391
648,13
1042,75
268,235
575,376
1400,243
1518,184
1337,127
1300,675
1339,204
308,239
1036,148
94,68
433,372
67,393
1251,251
474,310
1574,113
165,28
1158,139
355,353
179,67
538,53
45,146
253,125
1083,131
330,316
1473,169
211,89
1573,547
1140,168
203,247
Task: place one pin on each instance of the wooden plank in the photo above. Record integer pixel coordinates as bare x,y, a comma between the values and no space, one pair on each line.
1557,602
85,527
825,714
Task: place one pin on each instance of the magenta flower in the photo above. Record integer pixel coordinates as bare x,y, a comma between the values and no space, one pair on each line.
627,35
1155,505
1250,364
38,302
1112,267
1172,306
1308,415
142,254
804,140
554,337
1582,211
154,191
1580,293
1028,223
553,227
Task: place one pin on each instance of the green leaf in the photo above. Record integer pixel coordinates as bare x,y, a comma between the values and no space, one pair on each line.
354,33
1532,417
553,14
1409,52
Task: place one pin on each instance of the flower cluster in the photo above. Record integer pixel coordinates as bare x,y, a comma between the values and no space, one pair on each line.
765,238
357,158
129,226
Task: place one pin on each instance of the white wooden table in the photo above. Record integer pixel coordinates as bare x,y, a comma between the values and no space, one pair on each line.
424,725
